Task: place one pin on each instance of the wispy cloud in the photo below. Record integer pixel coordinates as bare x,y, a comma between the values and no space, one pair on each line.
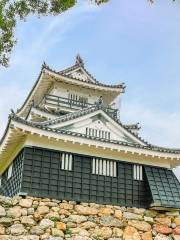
158,127
54,29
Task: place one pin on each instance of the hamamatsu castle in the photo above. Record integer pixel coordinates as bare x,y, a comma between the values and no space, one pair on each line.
67,142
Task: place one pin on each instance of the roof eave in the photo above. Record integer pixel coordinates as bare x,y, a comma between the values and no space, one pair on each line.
118,88
45,69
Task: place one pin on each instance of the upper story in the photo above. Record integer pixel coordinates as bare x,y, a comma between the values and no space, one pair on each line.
70,90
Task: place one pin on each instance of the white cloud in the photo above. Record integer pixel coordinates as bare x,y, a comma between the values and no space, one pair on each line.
54,31
158,127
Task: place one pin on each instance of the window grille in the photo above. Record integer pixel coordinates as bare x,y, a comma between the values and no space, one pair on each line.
77,100
83,100
104,167
66,161
98,133
9,175
138,172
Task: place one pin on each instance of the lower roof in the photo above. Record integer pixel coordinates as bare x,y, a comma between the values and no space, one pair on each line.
164,187
18,130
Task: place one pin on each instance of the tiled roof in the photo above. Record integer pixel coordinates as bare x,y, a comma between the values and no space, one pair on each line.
70,116
132,126
78,64
121,86
85,111
46,128
58,114
127,126
164,187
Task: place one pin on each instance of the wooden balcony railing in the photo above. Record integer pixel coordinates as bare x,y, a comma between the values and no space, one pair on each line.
72,103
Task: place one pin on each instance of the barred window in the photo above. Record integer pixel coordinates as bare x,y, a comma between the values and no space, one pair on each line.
9,175
104,167
138,172
77,100
66,161
97,133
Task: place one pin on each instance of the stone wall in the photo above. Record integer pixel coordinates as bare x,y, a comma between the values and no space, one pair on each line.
45,219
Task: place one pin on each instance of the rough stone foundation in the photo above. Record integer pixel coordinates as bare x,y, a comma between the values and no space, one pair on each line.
49,219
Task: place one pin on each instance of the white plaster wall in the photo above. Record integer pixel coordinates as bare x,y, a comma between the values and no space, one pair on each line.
81,126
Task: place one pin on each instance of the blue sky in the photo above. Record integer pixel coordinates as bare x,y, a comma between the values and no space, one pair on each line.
123,41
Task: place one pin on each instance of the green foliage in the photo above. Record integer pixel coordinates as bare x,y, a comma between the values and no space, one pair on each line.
68,231
98,237
54,219
12,11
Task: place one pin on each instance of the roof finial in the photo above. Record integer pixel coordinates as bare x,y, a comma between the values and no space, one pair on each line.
79,60
44,65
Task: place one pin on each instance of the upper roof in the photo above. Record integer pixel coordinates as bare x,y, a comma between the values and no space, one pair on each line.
74,75
78,71
79,66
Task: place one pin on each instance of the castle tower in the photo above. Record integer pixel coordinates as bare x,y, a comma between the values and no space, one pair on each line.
67,142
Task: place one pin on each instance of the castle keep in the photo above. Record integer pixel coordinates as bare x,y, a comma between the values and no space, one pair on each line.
67,142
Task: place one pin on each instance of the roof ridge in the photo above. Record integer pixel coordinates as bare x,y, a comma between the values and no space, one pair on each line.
68,68
68,115
46,111
78,63
79,66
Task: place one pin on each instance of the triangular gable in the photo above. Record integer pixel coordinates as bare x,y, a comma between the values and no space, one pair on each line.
81,74
97,123
78,71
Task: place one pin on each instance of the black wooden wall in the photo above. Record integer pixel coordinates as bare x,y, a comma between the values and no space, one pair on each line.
43,177
12,186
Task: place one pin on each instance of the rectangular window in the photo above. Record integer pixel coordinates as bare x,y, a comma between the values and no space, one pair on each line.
66,161
10,171
98,133
138,172
104,167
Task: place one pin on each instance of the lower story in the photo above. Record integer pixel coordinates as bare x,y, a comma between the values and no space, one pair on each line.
63,175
